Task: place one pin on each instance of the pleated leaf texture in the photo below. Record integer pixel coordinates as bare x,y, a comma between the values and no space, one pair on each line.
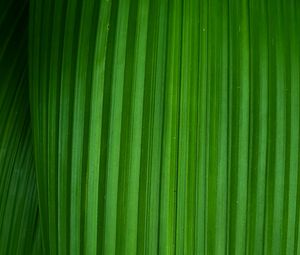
19,220
150,127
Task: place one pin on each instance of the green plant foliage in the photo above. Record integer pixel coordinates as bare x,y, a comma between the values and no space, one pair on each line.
19,220
159,127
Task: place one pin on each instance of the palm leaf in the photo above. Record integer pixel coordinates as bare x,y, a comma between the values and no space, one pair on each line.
160,127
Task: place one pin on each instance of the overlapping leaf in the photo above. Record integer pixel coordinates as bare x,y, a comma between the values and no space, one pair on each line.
19,219
160,127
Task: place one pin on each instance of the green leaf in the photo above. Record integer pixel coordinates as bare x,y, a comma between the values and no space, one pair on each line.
19,219
166,127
